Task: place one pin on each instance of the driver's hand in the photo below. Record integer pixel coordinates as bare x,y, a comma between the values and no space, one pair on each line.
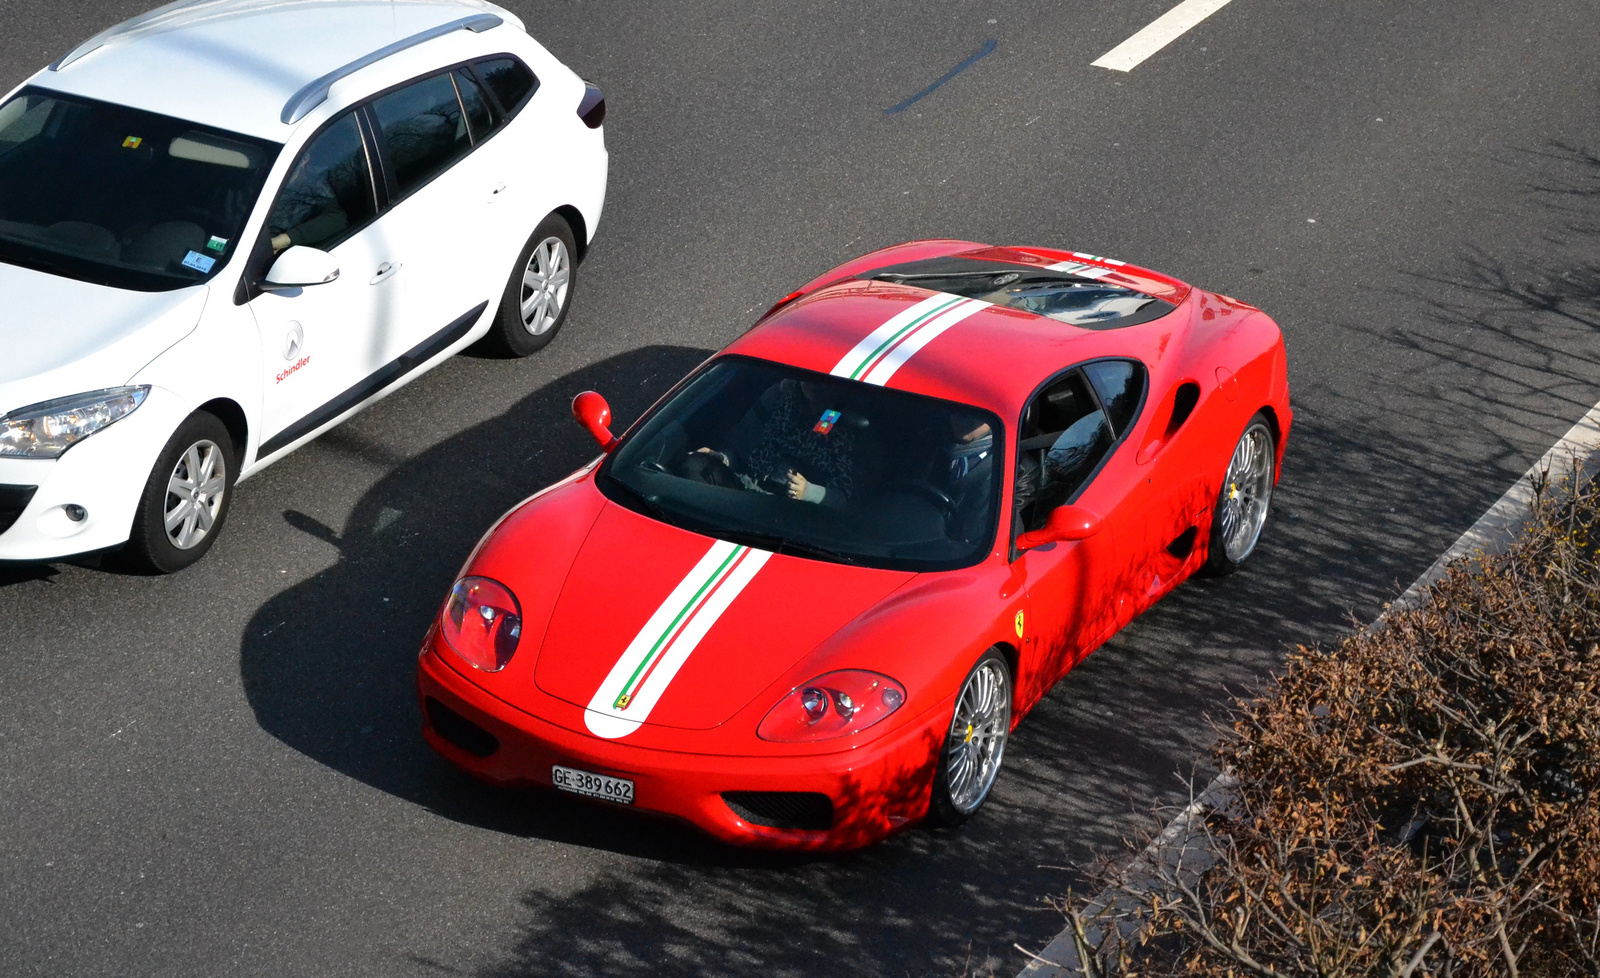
280,242
703,450
797,484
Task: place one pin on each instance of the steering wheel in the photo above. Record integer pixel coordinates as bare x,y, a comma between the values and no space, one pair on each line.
946,505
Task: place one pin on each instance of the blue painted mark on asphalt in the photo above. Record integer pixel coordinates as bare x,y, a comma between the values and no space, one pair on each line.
983,52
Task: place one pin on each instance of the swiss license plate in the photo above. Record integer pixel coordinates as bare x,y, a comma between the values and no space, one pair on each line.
601,786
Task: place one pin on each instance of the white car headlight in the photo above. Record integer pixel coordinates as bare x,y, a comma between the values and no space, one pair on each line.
47,429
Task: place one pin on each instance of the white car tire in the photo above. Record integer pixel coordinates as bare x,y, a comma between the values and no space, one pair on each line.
537,297
186,499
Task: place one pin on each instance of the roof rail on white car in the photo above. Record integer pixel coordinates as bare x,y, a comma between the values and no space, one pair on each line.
146,19
316,92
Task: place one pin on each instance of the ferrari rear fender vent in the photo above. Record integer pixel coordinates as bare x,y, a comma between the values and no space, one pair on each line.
460,731
13,500
1183,404
806,810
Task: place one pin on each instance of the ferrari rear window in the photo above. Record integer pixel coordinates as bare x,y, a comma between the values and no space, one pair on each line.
1072,298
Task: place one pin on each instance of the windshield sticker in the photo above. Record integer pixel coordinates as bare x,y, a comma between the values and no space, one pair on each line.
198,262
132,142
826,422
645,670
217,244
887,348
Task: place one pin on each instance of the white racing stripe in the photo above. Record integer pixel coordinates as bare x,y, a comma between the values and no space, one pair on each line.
647,666
1083,269
886,349
1162,31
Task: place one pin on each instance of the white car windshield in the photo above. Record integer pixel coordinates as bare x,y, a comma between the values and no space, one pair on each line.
803,463
117,196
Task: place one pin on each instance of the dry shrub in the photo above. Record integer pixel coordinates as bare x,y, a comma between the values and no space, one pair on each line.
1420,801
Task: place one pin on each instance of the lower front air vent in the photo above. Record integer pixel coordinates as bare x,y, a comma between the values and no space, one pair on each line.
460,731
805,810
13,500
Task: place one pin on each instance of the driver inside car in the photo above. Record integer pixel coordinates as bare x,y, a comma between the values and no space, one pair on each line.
792,442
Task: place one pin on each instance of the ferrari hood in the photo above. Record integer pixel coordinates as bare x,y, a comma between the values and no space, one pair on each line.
659,625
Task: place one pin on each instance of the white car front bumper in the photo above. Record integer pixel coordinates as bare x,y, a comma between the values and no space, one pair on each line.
105,474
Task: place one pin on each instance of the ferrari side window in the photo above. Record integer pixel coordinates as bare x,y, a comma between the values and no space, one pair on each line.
1062,439
1120,384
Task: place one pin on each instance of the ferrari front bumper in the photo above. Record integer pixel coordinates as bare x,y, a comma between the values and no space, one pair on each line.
874,789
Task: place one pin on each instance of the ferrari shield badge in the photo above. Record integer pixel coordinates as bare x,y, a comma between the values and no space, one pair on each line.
1019,624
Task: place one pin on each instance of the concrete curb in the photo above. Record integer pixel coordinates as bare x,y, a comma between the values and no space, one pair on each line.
1180,843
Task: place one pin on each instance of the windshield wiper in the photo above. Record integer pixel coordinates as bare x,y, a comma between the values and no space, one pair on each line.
783,545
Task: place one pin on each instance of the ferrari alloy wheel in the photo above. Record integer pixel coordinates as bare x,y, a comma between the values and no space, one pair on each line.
1246,494
975,745
536,298
185,499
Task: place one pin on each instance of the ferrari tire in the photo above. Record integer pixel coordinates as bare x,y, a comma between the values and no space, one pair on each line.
1243,500
186,498
539,292
975,745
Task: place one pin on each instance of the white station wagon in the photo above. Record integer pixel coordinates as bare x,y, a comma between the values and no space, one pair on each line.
227,225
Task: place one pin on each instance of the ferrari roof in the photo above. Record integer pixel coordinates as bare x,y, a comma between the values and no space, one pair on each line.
235,64
943,345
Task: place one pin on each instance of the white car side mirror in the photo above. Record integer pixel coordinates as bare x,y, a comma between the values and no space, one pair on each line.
299,267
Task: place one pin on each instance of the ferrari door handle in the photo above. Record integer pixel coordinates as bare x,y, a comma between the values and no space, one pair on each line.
386,271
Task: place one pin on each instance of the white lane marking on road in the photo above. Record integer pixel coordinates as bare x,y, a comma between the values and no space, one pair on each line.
1494,531
1162,31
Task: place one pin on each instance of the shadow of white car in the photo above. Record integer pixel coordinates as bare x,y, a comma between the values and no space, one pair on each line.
227,225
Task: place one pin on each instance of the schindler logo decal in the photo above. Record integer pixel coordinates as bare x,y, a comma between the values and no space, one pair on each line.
290,372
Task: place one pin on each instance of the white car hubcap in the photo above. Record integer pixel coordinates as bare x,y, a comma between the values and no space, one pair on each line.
545,282
194,494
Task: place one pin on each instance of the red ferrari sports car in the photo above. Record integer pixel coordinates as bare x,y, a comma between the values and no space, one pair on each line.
804,600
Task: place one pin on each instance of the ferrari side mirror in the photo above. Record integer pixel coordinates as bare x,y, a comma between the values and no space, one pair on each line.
594,414
1064,523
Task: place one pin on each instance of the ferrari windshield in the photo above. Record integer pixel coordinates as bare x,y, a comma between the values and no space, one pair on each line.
817,466
117,196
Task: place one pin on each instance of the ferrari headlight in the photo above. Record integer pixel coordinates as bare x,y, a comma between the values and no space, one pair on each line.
482,622
47,429
834,705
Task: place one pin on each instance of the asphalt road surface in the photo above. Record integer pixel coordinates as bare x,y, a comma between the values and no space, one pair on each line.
220,772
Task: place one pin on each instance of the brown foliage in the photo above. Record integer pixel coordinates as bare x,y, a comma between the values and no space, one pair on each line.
1420,801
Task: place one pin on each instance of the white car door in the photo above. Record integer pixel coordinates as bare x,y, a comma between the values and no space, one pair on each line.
324,346
441,217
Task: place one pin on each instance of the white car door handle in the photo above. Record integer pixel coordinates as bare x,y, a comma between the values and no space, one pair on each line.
386,271
498,189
